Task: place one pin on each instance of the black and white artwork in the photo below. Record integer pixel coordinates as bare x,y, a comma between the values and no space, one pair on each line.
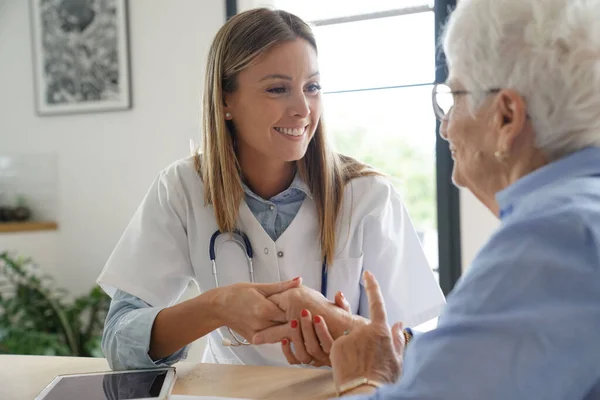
81,55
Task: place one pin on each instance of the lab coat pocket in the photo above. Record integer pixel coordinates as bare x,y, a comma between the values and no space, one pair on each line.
345,275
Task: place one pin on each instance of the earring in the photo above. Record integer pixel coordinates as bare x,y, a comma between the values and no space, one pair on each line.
501,156
227,115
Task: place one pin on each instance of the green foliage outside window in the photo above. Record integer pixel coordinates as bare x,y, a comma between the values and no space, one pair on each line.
412,167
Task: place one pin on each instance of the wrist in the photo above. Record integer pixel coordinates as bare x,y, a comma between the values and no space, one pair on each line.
358,321
345,321
364,389
216,302
357,385
341,322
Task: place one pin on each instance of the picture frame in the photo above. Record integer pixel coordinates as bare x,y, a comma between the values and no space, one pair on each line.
81,56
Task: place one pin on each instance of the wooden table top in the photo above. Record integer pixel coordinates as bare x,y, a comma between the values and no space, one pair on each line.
23,377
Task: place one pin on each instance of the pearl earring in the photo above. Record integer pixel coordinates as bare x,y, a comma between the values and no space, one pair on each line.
501,156
227,115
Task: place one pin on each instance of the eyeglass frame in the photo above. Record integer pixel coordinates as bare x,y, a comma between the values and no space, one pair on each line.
437,110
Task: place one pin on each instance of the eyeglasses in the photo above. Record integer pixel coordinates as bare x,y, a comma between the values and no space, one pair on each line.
442,98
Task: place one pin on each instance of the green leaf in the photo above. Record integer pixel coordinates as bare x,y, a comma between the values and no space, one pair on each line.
35,318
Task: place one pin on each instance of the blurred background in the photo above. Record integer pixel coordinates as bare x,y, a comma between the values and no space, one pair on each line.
97,96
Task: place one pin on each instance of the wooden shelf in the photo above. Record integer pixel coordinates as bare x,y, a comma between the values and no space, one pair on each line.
31,226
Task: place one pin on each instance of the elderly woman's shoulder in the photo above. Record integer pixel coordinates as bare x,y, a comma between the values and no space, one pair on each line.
579,196
571,207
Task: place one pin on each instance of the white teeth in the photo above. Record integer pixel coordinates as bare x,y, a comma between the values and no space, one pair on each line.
291,132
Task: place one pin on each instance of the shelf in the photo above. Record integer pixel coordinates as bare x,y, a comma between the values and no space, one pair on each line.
6,227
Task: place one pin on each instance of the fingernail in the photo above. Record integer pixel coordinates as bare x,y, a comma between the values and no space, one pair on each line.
296,279
317,319
305,313
284,342
294,324
342,296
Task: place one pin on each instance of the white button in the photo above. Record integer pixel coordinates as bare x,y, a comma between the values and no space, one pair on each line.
271,207
266,251
280,254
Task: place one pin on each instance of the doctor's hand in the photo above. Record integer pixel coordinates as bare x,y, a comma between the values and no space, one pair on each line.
245,308
300,304
374,351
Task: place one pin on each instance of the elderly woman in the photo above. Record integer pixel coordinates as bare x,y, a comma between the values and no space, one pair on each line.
521,112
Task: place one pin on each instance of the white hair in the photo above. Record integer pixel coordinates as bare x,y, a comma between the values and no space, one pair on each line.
547,50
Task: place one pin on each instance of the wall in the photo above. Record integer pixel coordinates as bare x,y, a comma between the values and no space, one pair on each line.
106,161
476,225
244,5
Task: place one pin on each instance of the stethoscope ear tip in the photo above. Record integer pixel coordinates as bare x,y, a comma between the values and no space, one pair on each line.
225,342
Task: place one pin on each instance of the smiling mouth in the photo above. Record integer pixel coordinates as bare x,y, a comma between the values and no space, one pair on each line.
292,131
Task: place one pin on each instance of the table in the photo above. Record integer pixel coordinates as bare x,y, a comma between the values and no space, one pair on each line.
23,377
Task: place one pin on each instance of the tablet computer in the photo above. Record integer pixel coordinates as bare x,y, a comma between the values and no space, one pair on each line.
147,384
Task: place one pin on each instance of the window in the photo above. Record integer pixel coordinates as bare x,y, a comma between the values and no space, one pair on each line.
377,67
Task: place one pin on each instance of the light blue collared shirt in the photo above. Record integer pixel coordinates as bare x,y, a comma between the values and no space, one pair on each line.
524,321
128,326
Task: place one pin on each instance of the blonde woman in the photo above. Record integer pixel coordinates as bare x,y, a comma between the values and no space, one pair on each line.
267,201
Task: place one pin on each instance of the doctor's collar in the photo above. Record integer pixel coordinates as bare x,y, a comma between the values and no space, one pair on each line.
297,184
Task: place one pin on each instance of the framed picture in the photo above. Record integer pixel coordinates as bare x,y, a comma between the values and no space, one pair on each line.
81,55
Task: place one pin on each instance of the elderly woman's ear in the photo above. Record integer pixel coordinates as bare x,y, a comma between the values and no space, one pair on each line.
511,118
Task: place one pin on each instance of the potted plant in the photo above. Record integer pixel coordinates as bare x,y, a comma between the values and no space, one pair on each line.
36,318
20,213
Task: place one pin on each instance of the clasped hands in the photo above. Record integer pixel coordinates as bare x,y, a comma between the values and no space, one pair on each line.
288,313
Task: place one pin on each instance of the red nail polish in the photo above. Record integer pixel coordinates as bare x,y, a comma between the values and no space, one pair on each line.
294,324
284,342
305,313
317,319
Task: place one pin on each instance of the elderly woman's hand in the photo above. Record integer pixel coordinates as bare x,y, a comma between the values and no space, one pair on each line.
299,305
372,351
311,340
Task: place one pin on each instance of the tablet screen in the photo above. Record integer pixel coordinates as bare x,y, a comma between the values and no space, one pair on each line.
113,386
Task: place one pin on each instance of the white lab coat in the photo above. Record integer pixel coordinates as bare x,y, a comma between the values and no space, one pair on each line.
167,243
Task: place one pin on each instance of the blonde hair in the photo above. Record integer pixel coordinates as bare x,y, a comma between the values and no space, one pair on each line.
237,44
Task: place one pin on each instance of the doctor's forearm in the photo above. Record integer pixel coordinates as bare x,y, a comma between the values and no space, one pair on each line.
181,324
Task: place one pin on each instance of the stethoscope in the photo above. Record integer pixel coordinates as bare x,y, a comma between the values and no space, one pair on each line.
245,245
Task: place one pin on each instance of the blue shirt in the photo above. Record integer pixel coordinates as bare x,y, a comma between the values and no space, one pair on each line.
128,326
524,321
